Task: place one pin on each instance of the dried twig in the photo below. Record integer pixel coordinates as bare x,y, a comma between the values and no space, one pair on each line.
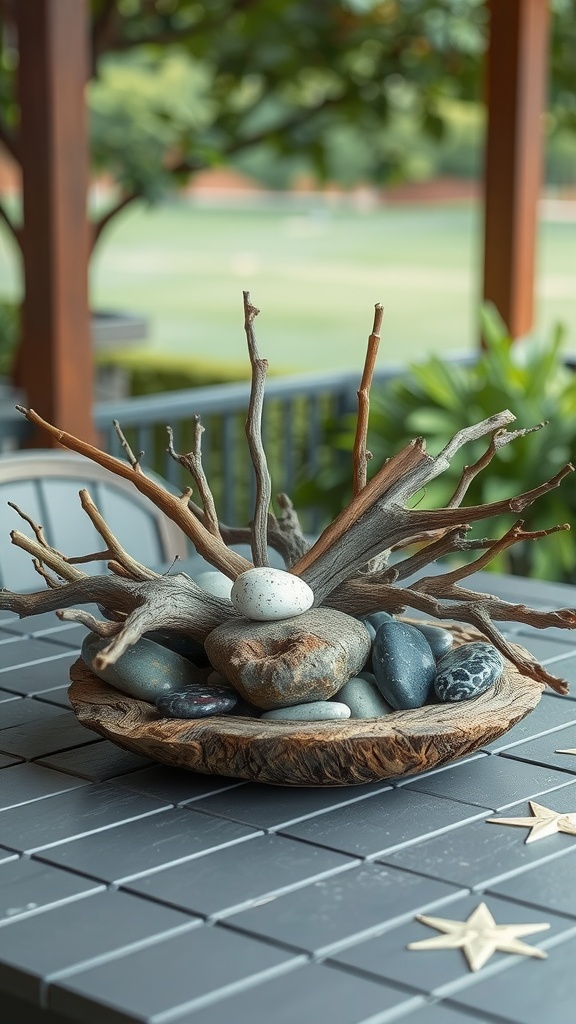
46,555
134,460
358,595
284,531
212,548
499,440
36,528
259,523
174,603
514,535
134,569
192,461
376,518
361,455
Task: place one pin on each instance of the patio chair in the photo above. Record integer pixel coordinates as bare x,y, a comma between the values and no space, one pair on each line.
45,485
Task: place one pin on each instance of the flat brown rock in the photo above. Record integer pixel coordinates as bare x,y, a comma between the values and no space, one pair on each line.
276,664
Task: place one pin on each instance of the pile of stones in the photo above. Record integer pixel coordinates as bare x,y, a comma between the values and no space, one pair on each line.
389,665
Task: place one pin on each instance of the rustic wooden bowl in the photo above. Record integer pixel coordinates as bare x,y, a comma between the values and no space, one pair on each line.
308,753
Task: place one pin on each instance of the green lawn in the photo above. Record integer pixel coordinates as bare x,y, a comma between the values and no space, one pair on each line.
315,272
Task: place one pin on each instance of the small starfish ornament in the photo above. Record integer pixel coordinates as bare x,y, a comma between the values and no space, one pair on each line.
571,750
544,822
479,937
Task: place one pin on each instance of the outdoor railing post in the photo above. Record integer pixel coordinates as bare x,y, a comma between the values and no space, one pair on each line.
55,365
516,87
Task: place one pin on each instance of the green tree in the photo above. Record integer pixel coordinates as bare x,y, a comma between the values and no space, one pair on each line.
180,85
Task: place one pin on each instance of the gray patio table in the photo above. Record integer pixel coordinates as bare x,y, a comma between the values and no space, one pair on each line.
134,892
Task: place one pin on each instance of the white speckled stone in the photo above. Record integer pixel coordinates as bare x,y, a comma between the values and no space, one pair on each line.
265,594
316,711
215,583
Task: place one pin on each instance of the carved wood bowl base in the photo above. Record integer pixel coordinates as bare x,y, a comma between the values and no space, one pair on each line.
334,753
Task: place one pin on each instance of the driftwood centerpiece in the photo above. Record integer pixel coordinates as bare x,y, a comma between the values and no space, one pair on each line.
359,563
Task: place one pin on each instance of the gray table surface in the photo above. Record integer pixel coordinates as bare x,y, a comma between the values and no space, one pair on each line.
134,892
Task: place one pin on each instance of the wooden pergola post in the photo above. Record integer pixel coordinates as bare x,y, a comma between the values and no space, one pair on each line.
516,84
55,367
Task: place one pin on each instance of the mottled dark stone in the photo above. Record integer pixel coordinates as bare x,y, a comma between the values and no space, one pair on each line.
441,640
404,665
468,671
198,701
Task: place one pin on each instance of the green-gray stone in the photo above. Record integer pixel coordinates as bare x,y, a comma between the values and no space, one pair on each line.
363,698
373,620
315,711
146,670
441,640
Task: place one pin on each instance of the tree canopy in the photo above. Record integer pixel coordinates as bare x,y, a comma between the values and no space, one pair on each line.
179,86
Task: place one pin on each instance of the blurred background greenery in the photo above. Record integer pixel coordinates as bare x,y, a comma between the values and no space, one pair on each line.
349,100
326,155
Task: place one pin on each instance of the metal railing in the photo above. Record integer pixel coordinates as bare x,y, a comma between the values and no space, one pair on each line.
295,411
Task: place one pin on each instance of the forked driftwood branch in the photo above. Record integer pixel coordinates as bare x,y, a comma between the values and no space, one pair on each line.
356,565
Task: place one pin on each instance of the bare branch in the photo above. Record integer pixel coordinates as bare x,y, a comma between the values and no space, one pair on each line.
131,566
192,461
102,628
499,440
357,534
98,226
361,455
172,603
211,548
47,556
287,536
254,436
284,533
49,577
37,529
401,465
134,460
360,595
450,541
444,581
473,433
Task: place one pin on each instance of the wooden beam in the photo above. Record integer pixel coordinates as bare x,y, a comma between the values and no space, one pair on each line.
55,364
516,87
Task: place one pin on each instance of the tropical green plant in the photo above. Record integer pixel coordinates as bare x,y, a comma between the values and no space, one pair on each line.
436,398
9,326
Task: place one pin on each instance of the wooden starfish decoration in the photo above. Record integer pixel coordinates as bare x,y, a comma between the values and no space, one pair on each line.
479,937
543,823
571,750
